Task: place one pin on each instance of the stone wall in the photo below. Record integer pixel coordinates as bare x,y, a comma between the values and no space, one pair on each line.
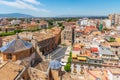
18,55
56,74
0,41
4,57
22,54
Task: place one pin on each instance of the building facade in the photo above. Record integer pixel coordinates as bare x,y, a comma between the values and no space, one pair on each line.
115,19
67,36
114,74
43,25
17,50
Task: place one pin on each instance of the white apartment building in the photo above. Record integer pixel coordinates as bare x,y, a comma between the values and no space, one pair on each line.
114,74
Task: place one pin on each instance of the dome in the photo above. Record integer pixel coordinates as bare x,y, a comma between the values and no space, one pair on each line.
55,64
16,45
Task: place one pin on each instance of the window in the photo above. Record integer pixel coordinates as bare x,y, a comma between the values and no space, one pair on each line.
9,56
110,64
117,76
95,61
116,52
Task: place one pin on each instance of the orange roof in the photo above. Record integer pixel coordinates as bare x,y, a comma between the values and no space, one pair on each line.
87,53
89,29
76,48
43,22
97,73
115,71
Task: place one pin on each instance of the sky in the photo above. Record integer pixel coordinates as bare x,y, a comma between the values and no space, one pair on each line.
54,8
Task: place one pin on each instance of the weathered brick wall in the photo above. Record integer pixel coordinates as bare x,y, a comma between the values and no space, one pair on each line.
22,54
0,41
25,75
18,55
57,38
55,74
4,57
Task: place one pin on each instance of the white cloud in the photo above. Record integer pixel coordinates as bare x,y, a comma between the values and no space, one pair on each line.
33,2
23,5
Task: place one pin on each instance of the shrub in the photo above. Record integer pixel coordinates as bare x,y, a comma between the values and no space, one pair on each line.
112,39
6,34
69,60
63,44
70,54
18,31
67,67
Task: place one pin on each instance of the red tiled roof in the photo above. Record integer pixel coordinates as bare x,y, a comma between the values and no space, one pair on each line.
76,48
94,49
90,28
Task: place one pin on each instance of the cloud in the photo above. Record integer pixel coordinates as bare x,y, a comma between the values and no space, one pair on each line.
22,4
33,2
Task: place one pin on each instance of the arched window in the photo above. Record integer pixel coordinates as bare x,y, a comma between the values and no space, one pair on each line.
9,56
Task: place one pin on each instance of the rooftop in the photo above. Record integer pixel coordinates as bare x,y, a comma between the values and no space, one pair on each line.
97,74
104,50
43,66
15,46
36,74
115,43
10,70
115,71
55,64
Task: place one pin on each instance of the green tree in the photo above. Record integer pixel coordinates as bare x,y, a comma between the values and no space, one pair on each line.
60,24
49,27
50,22
70,54
69,60
67,67
112,39
37,21
18,31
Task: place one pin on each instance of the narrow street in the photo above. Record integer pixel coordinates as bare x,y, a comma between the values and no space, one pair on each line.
58,54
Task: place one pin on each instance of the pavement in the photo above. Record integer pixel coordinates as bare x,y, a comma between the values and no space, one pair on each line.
58,54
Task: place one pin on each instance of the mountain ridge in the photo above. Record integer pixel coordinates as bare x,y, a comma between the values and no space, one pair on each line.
14,15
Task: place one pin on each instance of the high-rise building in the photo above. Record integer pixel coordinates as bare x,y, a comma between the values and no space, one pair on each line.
115,19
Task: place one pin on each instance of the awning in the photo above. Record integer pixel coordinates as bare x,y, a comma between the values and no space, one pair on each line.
94,49
81,58
74,56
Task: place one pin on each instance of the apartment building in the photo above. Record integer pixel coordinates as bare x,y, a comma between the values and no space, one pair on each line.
114,74
115,47
115,19
43,25
109,59
67,36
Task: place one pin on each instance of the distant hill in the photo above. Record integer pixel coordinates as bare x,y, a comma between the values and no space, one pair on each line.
79,16
14,15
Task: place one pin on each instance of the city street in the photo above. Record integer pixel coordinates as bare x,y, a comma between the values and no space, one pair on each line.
58,54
